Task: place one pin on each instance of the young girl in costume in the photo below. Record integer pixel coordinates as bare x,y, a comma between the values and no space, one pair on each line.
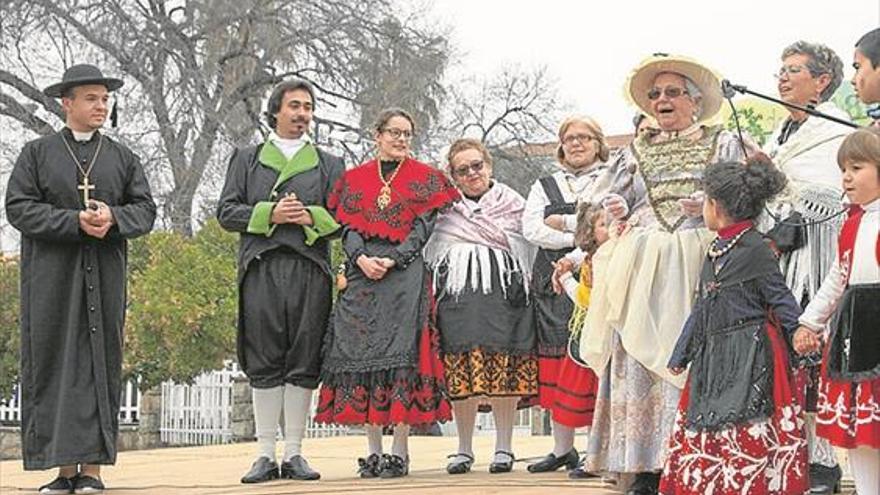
849,303
575,395
739,428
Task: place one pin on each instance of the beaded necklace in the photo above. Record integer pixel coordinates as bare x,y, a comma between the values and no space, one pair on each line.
715,252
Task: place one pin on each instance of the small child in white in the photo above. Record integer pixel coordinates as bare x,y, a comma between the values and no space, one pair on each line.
849,299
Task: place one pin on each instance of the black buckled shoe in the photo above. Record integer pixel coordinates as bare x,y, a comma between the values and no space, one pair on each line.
551,463
87,484
58,486
645,484
369,467
296,468
460,464
394,466
579,473
824,480
263,469
502,467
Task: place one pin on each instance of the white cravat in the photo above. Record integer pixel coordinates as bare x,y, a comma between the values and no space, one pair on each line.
289,147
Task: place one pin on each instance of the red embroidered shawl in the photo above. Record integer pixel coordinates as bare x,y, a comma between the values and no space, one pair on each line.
416,189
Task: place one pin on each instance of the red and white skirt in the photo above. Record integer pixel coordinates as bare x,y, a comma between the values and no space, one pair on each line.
409,396
763,457
848,413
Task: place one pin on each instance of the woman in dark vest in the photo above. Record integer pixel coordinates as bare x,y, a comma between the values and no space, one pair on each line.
549,222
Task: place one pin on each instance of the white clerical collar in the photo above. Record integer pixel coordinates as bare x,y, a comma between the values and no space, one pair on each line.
82,137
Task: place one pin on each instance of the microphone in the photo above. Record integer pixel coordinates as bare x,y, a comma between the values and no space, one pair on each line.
728,89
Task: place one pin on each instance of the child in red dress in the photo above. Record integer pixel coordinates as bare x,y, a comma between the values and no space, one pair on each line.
739,427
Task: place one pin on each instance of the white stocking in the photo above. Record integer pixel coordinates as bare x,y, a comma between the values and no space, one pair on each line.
267,412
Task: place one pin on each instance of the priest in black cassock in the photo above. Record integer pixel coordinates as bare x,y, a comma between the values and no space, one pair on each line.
76,196
275,196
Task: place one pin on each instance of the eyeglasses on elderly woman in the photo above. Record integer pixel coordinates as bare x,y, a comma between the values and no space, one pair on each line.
789,70
465,170
669,91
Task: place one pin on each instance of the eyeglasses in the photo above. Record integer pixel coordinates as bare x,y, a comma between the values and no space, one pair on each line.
472,168
577,138
669,91
789,70
397,133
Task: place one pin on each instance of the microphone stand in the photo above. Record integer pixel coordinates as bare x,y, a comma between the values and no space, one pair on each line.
728,89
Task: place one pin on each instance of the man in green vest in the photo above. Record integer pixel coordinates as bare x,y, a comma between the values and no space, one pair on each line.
275,197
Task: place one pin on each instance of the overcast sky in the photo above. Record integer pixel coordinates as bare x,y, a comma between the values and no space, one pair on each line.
590,47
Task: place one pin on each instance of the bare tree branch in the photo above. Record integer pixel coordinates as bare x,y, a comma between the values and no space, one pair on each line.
201,68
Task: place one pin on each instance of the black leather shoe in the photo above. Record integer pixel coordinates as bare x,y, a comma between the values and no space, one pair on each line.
579,473
394,466
58,486
502,467
296,468
83,485
551,463
263,469
459,465
645,484
824,480
369,467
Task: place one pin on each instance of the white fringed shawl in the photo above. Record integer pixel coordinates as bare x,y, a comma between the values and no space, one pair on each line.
470,233
809,161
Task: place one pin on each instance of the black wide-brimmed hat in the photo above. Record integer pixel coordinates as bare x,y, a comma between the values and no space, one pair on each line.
80,75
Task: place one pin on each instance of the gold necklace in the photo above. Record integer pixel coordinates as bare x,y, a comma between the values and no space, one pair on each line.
384,198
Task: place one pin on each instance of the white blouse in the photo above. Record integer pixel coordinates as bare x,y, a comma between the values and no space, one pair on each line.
865,270
574,188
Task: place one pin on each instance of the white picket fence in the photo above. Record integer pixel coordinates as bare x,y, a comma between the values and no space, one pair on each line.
199,413
129,406
10,408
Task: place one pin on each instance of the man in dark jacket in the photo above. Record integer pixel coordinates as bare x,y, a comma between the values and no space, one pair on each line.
275,197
